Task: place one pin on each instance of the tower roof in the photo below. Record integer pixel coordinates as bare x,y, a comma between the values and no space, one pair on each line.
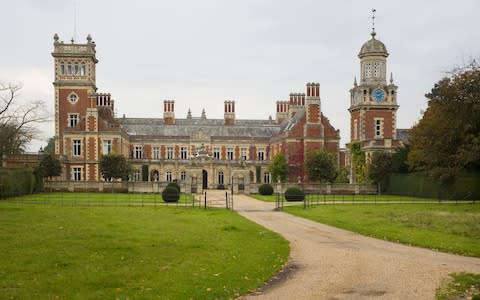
373,47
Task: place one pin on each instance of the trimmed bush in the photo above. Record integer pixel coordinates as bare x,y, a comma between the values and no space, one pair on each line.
220,187
294,194
170,194
175,185
265,189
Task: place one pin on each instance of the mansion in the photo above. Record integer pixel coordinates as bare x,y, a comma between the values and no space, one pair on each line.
208,153
204,152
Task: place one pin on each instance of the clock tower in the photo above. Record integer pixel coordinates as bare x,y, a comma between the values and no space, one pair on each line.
373,101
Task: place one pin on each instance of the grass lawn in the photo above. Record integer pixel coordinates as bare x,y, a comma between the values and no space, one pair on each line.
453,228
62,252
350,198
69,198
460,286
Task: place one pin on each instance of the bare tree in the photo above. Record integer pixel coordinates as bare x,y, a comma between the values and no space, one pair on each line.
18,120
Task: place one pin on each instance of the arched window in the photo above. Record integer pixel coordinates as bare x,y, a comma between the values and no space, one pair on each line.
221,177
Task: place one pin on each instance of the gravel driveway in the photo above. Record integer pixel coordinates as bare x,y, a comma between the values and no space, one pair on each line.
330,263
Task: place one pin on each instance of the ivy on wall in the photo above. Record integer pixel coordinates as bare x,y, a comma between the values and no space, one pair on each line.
358,162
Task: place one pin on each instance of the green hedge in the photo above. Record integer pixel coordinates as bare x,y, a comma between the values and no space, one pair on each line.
265,189
467,186
16,182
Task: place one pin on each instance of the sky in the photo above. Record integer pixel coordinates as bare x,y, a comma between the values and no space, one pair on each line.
256,52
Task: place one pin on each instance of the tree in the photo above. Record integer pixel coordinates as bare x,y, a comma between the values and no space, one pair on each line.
446,141
321,166
17,120
114,166
278,167
50,166
380,167
50,147
399,159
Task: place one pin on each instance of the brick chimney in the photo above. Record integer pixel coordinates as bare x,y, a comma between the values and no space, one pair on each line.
229,113
169,112
314,111
296,103
282,111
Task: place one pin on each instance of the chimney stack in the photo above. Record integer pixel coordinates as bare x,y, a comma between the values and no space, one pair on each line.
169,112
229,113
314,111
282,111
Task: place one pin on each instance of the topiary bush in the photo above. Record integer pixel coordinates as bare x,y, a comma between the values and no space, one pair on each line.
175,185
170,194
294,194
265,189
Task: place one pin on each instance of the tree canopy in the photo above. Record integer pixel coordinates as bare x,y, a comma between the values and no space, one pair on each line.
114,166
278,167
17,120
446,140
380,167
321,166
50,166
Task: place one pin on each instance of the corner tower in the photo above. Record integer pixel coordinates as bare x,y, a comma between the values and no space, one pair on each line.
74,83
373,101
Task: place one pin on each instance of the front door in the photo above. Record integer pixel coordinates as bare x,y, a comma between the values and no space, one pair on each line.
204,179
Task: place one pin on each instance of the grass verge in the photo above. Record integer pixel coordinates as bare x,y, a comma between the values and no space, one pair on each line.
61,252
460,286
450,228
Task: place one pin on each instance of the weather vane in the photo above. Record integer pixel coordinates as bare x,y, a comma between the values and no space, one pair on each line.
373,19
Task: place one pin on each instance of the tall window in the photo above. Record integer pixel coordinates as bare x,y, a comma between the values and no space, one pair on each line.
77,174
83,70
77,148
221,177
243,153
261,154
216,153
138,152
156,152
72,120
377,69
77,69
168,176
355,129
62,68
169,152
266,177
378,127
183,175
368,70
230,153
183,153
137,175
69,69
107,146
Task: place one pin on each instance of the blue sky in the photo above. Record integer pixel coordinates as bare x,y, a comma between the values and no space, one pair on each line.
201,53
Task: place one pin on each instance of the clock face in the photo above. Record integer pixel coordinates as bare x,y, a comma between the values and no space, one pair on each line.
378,95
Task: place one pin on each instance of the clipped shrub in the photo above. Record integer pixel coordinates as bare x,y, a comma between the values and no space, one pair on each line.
175,185
220,187
294,194
265,189
170,194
